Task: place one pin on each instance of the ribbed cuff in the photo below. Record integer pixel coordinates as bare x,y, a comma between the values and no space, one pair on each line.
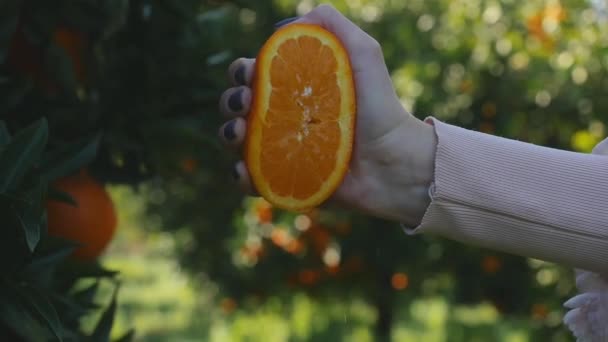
431,192
518,198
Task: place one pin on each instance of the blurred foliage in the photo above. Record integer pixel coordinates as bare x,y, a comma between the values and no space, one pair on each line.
164,302
527,71
148,74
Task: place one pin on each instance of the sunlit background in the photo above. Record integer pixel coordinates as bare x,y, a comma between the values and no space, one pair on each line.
198,262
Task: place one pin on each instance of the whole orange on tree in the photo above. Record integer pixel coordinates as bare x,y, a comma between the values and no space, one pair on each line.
91,222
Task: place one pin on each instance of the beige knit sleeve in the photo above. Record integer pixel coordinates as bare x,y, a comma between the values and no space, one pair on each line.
519,198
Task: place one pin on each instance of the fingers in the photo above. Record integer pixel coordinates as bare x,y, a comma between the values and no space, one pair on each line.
351,35
236,102
357,42
240,72
241,176
365,53
285,22
232,133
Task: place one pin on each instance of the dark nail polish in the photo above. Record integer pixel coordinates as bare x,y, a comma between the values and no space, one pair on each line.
234,101
235,173
285,22
239,75
229,132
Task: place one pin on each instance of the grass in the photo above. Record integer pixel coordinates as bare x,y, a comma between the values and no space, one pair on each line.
163,303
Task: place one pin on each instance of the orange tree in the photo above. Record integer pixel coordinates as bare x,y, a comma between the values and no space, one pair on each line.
146,75
91,222
528,71
44,49
119,87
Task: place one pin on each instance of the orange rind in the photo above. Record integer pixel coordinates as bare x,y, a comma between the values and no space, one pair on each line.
301,125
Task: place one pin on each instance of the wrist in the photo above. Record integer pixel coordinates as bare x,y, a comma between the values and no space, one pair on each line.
409,180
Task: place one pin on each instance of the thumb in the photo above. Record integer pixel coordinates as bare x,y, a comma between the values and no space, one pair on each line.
360,46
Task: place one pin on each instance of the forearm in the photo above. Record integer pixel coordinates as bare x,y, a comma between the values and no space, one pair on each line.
519,198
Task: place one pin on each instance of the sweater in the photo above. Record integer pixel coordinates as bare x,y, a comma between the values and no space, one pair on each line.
528,200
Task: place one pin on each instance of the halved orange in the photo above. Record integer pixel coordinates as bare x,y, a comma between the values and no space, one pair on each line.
301,125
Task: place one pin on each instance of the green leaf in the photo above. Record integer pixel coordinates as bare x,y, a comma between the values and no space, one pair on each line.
52,245
21,153
86,295
104,325
61,196
14,252
79,269
69,158
70,311
31,215
71,271
31,230
46,261
97,271
27,306
17,315
44,309
5,136
127,337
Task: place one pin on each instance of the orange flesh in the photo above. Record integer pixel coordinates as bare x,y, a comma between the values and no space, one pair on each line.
301,124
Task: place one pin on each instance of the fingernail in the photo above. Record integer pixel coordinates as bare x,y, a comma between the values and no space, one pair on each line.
229,133
285,22
234,101
235,173
239,75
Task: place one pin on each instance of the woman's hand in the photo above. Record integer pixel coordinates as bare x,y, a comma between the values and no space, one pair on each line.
392,163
